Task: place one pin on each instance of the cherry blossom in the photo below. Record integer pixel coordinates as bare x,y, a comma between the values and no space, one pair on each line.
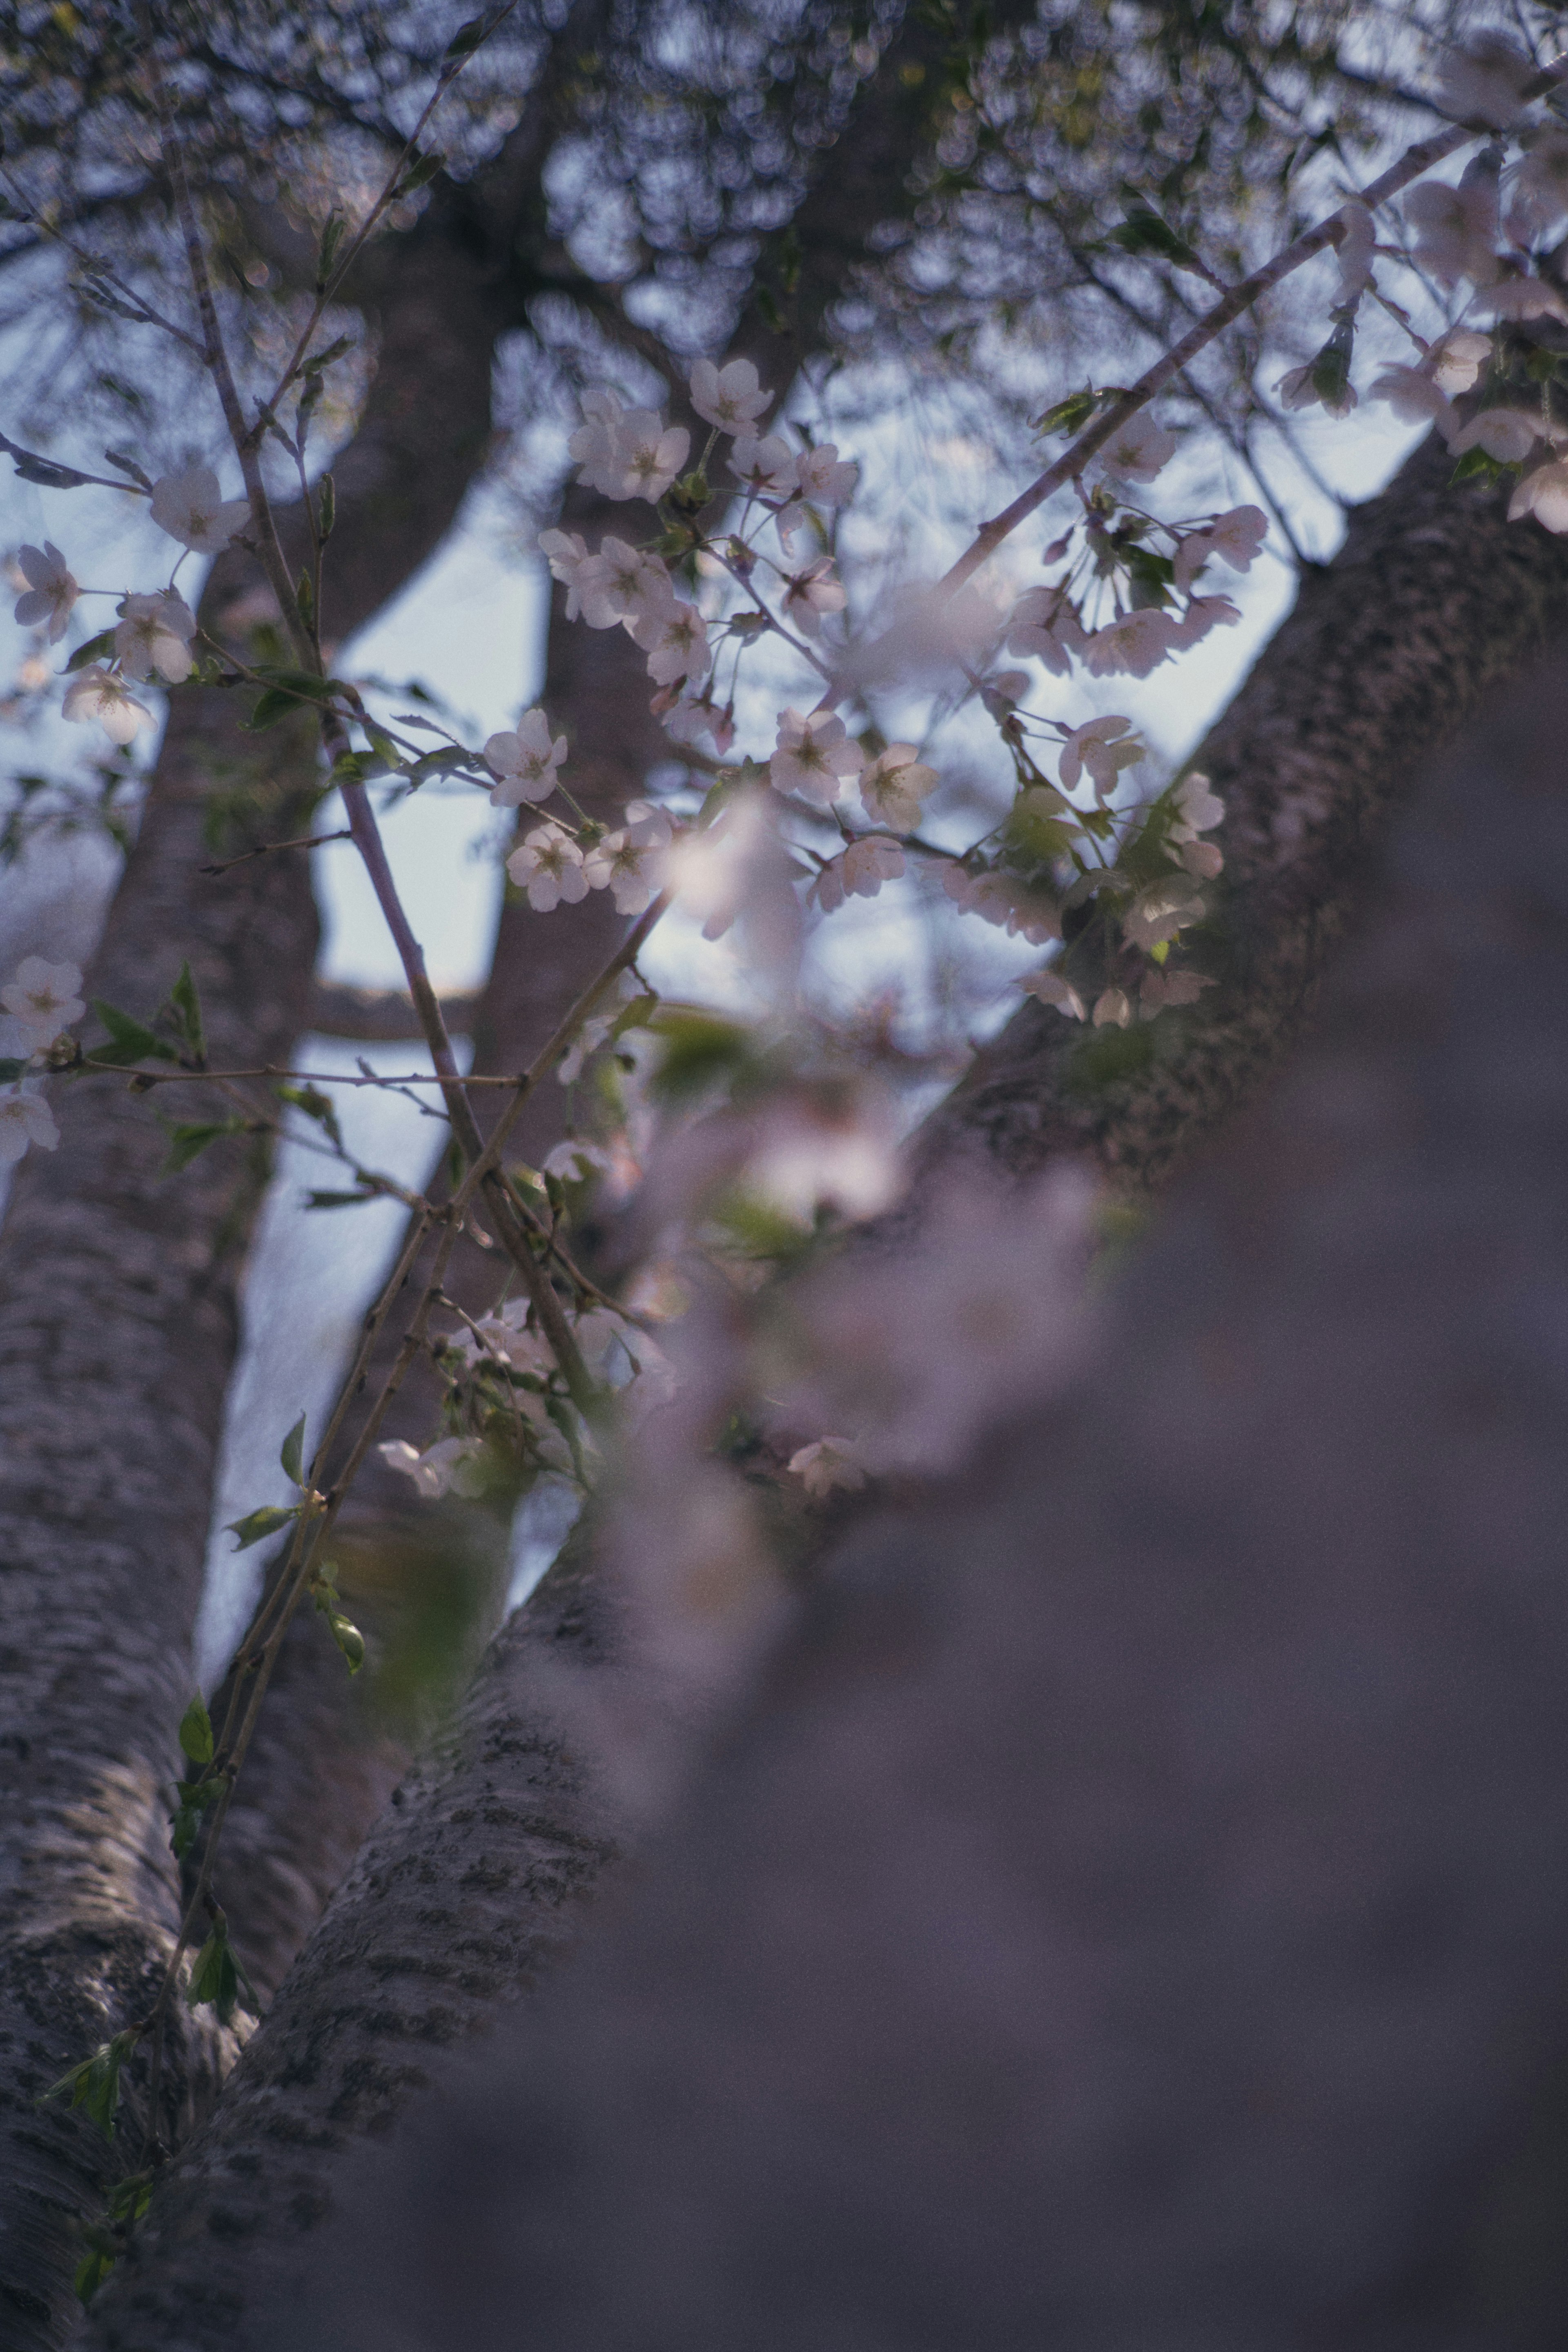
1137,450
675,638
632,870
892,788
440,1467
1113,1005
1543,494
566,552
1457,360
817,1151
689,721
824,478
1297,389
1052,989
1135,643
1508,434
622,584
729,397
814,756
505,1337
191,507
51,590
1234,537
25,1118
649,454
1455,228
1540,190
96,693
768,467
524,762
1354,250
1163,987
1415,395
1045,626
1485,80
859,873
1162,909
42,999
549,866
1197,809
809,594
831,1462
1002,899
154,636
592,446
1523,297
1102,747
1203,614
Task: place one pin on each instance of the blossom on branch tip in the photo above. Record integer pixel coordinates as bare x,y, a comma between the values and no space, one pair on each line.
153,637
729,397
1135,644
1543,494
824,478
1235,537
809,594
1163,987
593,444
1508,434
524,762
1523,297
687,721
1196,809
1354,250
439,1467
1052,989
1299,389
649,454
623,583
42,999
1414,395
1457,360
892,788
814,755
191,507
1455,228
94,693
632,870
1112,1005
768,465
831,1462
51,590
859,873
675,638
1002,899
566,552
1044,625
1203,614
1101,748
549,866
1485,80
25,1118
1137,450
1158,913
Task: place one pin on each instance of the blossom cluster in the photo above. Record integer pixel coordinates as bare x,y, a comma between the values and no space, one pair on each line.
37,1005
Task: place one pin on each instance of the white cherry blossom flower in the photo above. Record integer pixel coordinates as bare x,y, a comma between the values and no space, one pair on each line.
824,478
1455,228
1235,537
1137,450
1414,395
1540,190
1158,913
191,507
1003,900
691,721
632,870
859,873
1134,643
1508,434
566,552
1203,614
154,636
675,638
1485,80
1354,249
1044,625
94,693
1296,389
623,584
524,762
649,454
504,1337
440,1467
1197,809
1102,747
1052,989
24,1118
1113,1005
549,866
592,446
1457,360
42,999
51,590
1543,494
768,465
831,1462
809,594
814,755
1163,987
892,788
1523,297
729,397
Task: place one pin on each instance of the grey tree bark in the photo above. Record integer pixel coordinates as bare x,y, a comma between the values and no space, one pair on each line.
1130,1913
1382,663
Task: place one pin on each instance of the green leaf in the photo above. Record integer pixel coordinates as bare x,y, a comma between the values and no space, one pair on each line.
353,768
188,1004
98,648
332,239
195,1798
293,1454
217,1978
11,1070
188,1141
1071,415
349,1639
698,1049
386,752
196,1732
338,1199
257,1526
1476,465
467,38
1143,231
94,2083
129,1040
315,1105
278,702
421,171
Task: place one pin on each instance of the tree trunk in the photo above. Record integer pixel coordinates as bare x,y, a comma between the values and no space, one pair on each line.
1392,683
1132,1912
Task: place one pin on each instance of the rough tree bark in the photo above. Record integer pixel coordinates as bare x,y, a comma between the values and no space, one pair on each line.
1383,661
1131,1912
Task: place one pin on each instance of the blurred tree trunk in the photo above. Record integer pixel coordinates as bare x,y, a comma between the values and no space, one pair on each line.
1383,660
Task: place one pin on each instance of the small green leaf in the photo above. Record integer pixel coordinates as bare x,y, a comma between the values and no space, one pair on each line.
467,38
349,1639
1476,466
94,2083
98,648
195,1798
338,1199
129,1040
332,239
1143,231
188,1004
293,1454
278,702
315,1105
1071,415
257,1526
422,169
188,1141
387,754
196,1732
353,768
11,1070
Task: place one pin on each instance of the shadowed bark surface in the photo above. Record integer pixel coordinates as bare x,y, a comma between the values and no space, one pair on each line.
1131,1914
